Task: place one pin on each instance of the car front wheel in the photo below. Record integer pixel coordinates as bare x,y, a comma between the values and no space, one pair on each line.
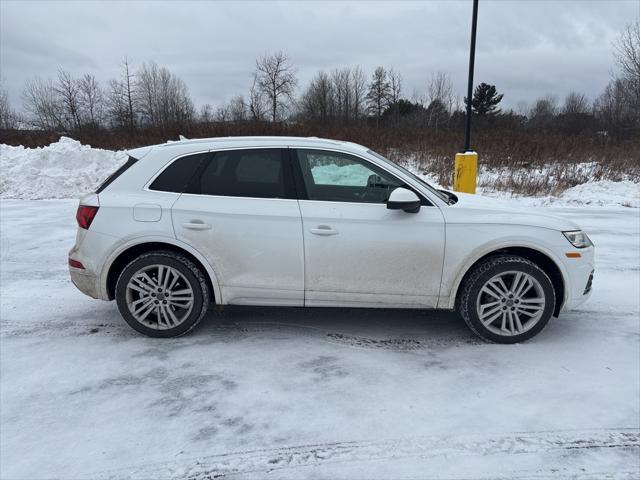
162,294
506,299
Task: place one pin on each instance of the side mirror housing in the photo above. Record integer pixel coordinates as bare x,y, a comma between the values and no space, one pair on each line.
404,199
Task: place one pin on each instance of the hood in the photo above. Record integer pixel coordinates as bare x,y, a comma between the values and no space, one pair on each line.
478,209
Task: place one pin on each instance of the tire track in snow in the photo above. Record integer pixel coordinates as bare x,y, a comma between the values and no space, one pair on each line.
293,458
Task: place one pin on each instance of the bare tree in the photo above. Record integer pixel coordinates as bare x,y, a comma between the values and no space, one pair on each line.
440,88
359,92
238,109
42,105
127,84
68,90
222,114
342,93
91,101
613,109
317,101
543,111
163,98
206,113
276,80
395,90
116,107
257,104
121,99
234,111
8,117
378,94
628,51
575,104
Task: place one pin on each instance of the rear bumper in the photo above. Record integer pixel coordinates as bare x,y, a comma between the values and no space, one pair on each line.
86,282
90,249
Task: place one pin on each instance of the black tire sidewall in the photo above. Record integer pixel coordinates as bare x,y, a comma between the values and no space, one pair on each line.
476,283
173,261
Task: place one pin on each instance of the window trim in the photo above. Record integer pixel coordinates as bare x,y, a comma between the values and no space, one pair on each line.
302,189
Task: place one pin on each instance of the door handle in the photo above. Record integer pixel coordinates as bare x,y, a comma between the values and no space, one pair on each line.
323,230
196,225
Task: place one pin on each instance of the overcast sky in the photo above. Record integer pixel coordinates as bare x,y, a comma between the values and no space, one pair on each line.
526,48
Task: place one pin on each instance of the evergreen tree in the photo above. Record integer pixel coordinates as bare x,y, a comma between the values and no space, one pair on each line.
485,100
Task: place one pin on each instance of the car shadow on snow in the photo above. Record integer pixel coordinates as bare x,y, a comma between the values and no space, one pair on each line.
390,329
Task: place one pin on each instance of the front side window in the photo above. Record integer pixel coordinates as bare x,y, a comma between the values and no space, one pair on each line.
339,177
258,173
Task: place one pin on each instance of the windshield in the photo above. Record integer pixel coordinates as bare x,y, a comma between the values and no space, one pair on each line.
442,196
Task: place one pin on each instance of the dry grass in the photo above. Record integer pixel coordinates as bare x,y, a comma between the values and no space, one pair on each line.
521,161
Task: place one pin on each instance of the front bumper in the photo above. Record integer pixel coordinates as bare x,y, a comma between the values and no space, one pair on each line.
580,278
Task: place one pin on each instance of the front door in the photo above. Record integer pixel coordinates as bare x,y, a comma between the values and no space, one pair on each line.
357,252
240,211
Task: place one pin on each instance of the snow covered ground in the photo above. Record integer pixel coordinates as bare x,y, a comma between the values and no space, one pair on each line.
316,393
291,393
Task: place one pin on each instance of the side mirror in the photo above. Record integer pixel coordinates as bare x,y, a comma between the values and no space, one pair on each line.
404,199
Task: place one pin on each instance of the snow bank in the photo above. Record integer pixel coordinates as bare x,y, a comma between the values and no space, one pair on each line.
602,193
64,169
68,169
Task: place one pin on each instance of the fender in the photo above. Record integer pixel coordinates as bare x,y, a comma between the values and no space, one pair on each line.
210,270
478,253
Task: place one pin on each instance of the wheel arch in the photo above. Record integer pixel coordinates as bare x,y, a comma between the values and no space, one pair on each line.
540,258
119,260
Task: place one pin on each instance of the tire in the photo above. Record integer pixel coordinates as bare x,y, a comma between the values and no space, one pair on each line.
530,299
169,308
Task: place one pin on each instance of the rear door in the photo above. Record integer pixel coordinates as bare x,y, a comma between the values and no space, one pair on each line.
240,211
358,252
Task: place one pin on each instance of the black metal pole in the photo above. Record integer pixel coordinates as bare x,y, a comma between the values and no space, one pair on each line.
472,59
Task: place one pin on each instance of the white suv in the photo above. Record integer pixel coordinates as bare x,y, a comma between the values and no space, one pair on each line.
313,222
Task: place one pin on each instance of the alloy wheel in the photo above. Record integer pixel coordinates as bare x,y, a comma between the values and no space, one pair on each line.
159,297
511,303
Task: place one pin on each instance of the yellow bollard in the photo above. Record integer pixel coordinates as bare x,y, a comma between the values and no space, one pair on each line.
465,173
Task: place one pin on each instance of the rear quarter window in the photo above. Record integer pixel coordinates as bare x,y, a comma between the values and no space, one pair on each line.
177,176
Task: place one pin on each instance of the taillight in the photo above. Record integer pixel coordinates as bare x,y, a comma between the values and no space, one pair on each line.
85,216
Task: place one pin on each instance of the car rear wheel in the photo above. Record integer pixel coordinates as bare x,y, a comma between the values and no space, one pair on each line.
162,294
506,299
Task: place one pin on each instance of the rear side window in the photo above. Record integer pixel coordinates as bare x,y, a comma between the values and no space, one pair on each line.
123,168
257,173
176,176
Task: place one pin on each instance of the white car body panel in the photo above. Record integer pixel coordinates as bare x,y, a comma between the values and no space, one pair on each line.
371,256
263,251
255,245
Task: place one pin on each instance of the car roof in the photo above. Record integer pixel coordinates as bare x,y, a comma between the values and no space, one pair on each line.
198,144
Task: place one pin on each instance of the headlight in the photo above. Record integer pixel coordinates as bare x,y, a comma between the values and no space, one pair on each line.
578,238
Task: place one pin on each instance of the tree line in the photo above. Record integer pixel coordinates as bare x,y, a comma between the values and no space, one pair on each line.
152,97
